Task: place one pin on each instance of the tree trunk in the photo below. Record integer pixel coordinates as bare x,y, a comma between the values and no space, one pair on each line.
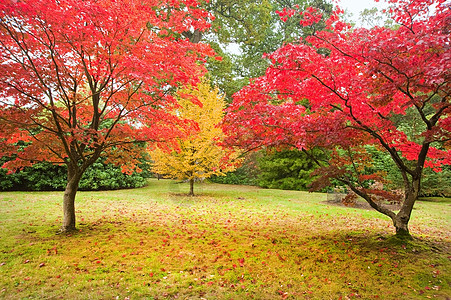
401,226
73,179
191,187
402,218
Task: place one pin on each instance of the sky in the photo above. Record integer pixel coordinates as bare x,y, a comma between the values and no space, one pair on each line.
357,6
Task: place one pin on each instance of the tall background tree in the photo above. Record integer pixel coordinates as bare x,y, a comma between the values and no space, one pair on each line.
347,88
242,33
81,80
198,154
244,30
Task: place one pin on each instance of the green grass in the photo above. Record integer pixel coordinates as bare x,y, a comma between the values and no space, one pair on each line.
230,242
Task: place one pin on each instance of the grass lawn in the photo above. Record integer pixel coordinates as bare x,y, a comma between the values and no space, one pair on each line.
230,242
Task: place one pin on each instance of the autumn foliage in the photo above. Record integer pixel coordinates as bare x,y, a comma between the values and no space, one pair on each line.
199,153
347,89
85,79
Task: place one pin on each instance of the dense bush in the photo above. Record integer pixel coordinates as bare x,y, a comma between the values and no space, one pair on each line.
246,174
239,176
49,177
436,184
286,169
432,184
290,169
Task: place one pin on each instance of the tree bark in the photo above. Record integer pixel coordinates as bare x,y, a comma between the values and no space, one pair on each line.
401,226
402,218
73,180
191,187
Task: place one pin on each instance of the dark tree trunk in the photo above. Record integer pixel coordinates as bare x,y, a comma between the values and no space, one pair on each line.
401,220
191,187
401,226
73,179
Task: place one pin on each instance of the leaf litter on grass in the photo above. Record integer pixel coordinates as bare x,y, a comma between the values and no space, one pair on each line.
217,247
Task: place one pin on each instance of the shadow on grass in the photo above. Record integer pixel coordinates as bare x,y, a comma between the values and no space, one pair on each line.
380,242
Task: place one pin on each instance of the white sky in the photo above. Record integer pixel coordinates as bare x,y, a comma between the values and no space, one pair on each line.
357,6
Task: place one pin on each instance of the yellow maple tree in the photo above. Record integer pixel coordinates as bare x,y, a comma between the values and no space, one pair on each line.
198,155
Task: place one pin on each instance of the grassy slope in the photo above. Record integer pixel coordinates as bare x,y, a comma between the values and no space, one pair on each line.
231,242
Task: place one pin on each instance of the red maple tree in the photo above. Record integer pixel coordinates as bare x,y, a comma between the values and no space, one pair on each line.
346,89
85,79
